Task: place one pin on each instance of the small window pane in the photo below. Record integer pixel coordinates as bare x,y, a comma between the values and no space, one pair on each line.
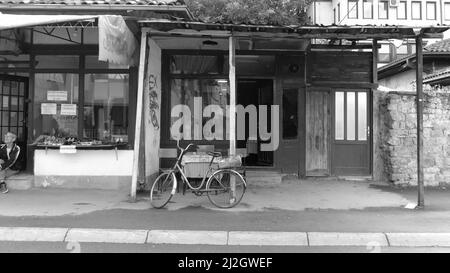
90,35
339,113
22,89
13,118
362,116
5,118
384,54
57,61
447,11
190,64
431,11
290,111
416,10
350,115
401,10
5,103
383,8
353,9
6,87
367,12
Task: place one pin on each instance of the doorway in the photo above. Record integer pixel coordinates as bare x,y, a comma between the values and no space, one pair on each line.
13,97
255,92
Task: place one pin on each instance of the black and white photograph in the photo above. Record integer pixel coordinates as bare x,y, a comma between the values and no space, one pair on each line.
224,133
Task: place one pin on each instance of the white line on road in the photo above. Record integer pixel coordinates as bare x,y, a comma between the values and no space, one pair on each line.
346,239
32,234
419,239
197,237
120,236
267,238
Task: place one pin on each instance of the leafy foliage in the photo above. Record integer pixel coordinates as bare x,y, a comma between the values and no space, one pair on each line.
272,12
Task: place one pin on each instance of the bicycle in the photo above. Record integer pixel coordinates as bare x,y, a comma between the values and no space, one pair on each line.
224,186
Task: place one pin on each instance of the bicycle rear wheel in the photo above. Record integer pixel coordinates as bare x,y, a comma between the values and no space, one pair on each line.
163,189
225,188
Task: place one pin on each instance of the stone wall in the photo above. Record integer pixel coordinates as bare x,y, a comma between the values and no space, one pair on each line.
395,137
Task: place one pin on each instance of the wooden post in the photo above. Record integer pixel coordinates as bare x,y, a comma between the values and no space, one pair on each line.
419,105
232,78
375,61
139,107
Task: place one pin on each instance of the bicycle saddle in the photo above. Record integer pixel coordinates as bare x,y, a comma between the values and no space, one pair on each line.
214,154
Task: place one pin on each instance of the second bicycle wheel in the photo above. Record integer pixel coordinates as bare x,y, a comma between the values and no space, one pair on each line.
225,188
162,190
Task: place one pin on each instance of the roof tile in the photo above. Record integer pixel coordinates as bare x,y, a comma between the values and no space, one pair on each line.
93,2
441,46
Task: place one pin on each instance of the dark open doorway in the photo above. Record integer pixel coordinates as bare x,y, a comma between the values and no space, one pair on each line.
255,92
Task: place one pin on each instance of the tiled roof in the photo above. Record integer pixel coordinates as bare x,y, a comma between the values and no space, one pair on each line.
441,46
92,2
444,73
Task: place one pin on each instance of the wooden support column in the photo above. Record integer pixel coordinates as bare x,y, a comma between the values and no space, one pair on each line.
139,108
375,61
232,78
419,105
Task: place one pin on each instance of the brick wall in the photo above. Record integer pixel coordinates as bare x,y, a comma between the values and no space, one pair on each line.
395,137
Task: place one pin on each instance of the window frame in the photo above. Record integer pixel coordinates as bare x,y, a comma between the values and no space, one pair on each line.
351,6
434,11
406,10
412,10
82,71
387,9
371,9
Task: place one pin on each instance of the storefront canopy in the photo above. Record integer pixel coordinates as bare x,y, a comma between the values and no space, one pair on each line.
11,21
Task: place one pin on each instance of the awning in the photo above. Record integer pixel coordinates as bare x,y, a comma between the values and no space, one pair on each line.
11,21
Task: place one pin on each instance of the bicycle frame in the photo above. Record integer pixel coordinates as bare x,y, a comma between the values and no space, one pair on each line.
177,168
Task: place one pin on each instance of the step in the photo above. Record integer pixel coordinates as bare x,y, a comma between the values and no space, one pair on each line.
263,178
21,181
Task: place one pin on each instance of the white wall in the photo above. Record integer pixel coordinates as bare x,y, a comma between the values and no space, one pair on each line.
83,163
152,133
401,81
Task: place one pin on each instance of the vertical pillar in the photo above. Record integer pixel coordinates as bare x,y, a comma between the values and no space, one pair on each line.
419,105
139,108
232,78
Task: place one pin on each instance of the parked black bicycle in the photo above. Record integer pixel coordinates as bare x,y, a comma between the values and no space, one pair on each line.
222,183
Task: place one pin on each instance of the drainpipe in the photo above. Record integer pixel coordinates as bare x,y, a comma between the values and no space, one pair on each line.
419,111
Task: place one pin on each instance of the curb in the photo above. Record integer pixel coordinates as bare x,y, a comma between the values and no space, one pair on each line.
230,238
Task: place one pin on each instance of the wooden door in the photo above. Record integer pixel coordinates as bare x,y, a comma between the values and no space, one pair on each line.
318,128
13,111
351,133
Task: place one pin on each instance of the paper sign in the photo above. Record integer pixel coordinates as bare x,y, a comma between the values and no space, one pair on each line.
67,149
57,95
68,109
48,108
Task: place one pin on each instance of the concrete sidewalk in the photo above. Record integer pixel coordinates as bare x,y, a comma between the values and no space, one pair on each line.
224,238
292,195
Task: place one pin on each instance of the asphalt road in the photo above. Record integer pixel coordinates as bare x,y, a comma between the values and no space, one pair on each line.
44,247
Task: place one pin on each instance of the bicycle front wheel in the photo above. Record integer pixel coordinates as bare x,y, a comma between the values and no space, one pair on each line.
225,188
163,189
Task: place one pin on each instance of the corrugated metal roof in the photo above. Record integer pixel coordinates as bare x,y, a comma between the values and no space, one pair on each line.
92,2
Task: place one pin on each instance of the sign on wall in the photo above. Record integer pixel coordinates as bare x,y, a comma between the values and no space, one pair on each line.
56,95
48,108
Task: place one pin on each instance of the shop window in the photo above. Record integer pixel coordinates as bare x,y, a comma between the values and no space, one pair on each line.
211,92
290,113
362,115
416,10
192,64
383,10
431,10
57,61
55,104
339,116
401,10
368,9
352,7
106,100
